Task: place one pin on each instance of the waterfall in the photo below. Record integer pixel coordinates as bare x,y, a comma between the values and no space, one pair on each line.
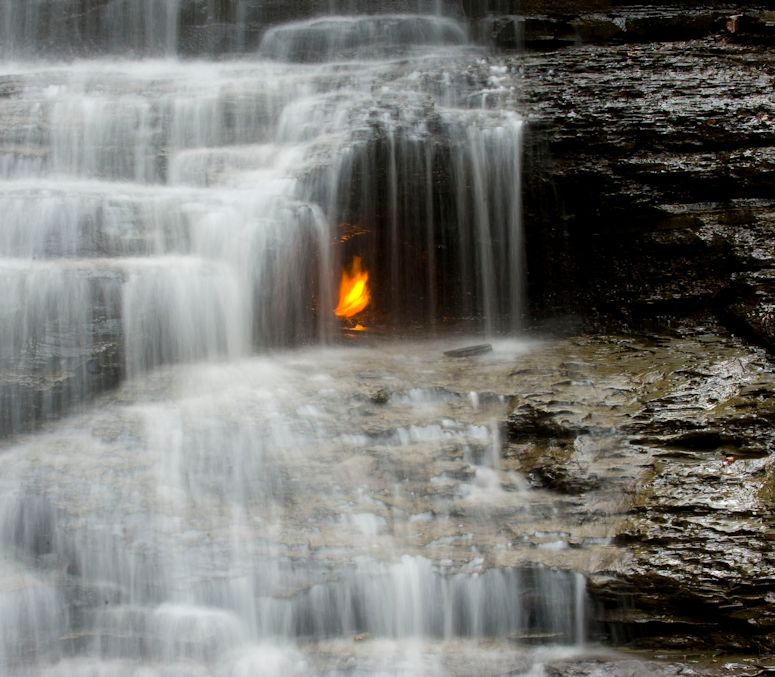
173,230
175,210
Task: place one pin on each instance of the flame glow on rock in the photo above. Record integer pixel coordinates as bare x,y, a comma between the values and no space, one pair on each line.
354,294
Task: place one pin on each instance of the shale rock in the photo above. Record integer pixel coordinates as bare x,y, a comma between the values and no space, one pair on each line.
650,165
528,422
681,429
608,667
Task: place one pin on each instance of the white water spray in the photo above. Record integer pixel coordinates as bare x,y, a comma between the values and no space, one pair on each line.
168,221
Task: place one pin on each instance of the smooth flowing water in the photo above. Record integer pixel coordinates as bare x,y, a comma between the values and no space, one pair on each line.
241,506
158,211
315,511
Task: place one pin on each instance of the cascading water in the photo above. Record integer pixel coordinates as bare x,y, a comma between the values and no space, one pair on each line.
166,222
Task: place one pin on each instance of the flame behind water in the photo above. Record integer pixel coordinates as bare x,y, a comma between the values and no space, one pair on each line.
354,293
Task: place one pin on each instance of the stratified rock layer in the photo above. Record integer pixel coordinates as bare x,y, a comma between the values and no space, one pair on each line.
674,435
652,165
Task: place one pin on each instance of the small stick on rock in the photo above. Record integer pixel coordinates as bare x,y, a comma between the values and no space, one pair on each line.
470,351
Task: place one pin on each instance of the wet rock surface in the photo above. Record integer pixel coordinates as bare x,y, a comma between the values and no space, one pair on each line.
555,25
605,667
651,166
656,203
680,430
634,472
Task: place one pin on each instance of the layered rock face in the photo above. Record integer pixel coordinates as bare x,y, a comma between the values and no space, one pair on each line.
651,193
661,446
650,202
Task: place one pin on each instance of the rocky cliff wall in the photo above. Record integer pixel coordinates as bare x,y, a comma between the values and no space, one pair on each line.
662,448
653,161
650,203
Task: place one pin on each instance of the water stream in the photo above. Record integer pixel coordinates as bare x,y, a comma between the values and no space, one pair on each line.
312,511
250,501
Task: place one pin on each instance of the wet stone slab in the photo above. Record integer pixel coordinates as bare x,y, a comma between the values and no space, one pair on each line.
659,157
677,432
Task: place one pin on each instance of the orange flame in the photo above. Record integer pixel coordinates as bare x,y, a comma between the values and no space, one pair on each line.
354,294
